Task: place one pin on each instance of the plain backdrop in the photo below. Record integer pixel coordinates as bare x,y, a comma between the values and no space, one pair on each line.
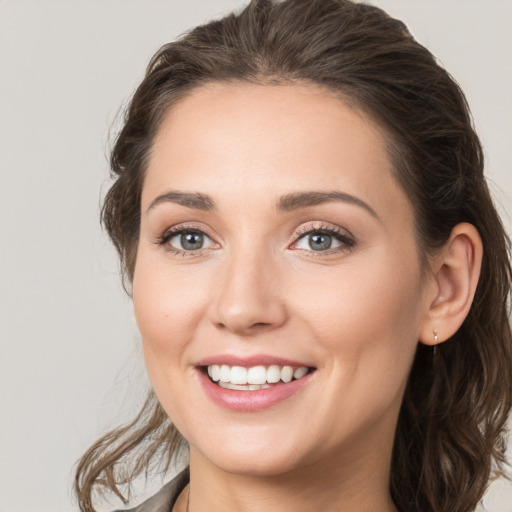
70,362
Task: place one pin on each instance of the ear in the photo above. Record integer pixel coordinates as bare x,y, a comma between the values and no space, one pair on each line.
455,272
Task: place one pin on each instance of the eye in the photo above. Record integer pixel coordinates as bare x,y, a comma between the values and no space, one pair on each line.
186,240
317,241
323,240
192,241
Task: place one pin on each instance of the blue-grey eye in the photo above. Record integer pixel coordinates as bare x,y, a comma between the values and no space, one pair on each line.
190,241
322,241
319,241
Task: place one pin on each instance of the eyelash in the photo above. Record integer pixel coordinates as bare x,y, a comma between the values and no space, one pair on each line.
347,241
180,230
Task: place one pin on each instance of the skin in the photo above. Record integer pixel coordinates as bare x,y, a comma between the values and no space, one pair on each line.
354,312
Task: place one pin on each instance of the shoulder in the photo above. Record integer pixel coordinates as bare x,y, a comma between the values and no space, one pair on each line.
165,498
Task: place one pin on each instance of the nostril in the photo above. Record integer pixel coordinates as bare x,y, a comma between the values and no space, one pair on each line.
260,324
247,329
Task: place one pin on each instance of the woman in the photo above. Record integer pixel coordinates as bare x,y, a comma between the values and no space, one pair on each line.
318,272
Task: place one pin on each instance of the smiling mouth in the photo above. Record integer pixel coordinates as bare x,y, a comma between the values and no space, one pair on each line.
253,378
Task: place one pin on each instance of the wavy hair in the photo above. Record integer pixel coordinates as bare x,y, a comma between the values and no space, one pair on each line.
450,439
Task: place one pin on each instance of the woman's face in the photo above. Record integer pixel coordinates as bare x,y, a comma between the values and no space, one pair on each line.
275,241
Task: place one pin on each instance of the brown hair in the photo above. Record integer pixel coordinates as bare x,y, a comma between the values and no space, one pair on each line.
450,438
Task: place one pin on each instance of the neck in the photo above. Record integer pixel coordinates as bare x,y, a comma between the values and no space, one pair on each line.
359,486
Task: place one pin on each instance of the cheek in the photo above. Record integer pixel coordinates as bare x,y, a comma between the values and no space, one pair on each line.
167,307
367,319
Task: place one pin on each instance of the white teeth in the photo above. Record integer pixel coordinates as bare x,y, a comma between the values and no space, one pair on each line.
224,373
238,375
287,374
273,374
215,373
255,377
300,372
239,387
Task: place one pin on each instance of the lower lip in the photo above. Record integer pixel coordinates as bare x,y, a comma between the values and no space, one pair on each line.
252,401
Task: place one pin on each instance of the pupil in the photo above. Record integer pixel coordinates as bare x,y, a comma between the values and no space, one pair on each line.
191,241
320,242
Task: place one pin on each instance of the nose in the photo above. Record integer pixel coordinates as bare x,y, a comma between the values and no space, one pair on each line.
249,298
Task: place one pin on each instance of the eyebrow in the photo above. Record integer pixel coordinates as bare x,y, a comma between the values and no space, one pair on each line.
194,200
286,203
298,200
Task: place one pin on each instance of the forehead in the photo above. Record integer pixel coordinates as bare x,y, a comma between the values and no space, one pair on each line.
240,140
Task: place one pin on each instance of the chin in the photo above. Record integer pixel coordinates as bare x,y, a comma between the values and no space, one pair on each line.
255,466
251,456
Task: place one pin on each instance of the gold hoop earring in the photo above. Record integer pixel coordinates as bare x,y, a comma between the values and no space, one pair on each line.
436,339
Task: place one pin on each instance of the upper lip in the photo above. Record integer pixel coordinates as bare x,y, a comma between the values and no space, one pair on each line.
249,361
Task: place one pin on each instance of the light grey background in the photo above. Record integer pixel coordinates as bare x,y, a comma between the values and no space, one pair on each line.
70,363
